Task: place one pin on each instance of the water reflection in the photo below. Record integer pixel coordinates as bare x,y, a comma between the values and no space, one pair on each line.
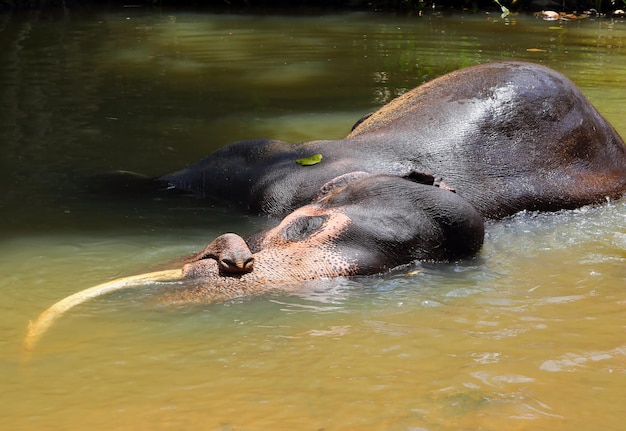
488,343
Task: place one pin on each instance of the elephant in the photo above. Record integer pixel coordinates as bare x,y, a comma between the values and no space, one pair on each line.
358,224
507,136
415,180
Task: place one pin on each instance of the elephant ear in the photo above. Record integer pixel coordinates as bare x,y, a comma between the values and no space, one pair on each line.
340,182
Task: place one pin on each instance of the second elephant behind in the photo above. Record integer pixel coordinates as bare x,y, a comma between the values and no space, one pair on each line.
507,136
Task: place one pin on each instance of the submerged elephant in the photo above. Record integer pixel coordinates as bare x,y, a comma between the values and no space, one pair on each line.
505,137
358,224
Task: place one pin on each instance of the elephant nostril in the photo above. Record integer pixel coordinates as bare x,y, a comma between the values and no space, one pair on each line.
236,267
228,264
248,264
230,252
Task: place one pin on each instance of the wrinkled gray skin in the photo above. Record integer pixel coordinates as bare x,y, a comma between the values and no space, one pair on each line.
506,136
362,224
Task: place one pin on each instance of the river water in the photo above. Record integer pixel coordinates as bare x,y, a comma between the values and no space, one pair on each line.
527,335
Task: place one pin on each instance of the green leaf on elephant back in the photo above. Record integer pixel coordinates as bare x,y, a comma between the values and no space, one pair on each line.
311,160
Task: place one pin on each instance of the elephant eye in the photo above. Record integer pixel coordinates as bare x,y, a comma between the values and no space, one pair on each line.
302,227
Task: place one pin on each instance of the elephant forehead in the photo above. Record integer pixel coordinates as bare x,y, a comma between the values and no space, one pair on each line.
335,221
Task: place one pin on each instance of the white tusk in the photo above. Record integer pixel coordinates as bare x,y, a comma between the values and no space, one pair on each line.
37,328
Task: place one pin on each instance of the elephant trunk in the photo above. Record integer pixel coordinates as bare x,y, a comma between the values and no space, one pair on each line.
37,328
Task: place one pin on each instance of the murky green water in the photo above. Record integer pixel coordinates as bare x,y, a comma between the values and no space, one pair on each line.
529,335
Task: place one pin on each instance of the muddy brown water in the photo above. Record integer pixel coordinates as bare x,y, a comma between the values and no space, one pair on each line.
528,335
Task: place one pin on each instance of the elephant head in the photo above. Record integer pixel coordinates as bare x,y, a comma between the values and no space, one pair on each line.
358,224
